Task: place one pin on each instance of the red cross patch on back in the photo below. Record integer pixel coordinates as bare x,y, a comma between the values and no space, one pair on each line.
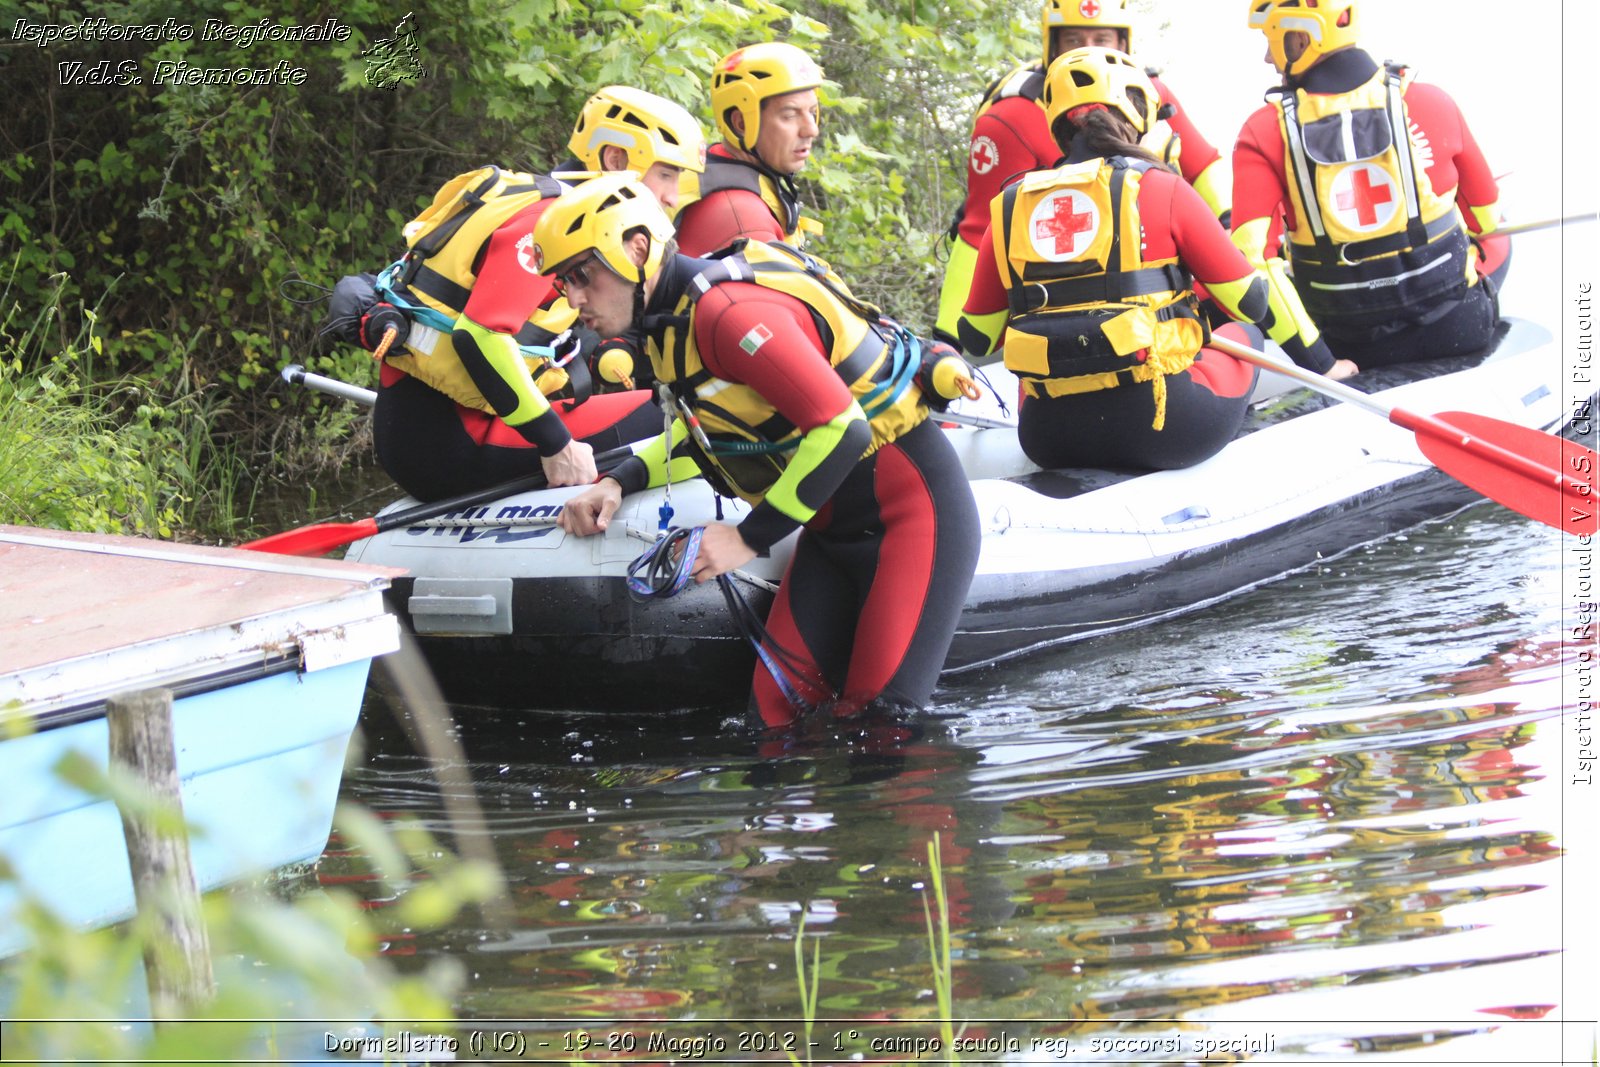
1364,197
1063,225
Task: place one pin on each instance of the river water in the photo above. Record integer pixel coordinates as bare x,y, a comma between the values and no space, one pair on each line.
1325,820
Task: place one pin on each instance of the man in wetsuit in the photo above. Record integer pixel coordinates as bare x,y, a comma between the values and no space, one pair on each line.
805,402
764,97
1382,188
462,410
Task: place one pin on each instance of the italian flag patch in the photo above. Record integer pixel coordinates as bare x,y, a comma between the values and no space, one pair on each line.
753,340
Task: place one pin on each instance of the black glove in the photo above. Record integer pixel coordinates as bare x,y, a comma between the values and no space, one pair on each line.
353,296
1317,356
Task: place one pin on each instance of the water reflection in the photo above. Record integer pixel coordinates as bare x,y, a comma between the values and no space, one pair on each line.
1348,823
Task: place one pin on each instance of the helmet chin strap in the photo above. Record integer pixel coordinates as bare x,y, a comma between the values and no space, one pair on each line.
785,182
638,289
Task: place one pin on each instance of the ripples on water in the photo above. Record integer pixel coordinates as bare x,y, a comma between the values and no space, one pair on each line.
1316,816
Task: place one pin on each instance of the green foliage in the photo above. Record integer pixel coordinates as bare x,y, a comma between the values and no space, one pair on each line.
300,961
193,208
118,457
937,918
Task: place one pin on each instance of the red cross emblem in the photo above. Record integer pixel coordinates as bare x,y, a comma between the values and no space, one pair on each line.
1059,224
1364,197
1089,9
985,155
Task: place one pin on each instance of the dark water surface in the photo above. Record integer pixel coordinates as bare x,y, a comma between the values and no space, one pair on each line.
1322,821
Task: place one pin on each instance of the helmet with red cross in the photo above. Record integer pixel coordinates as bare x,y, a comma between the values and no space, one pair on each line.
1111,16
1324,27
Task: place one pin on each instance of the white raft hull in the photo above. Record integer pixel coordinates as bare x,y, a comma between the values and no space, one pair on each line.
511,612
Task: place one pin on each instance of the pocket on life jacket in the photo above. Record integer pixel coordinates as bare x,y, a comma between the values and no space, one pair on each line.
1348,137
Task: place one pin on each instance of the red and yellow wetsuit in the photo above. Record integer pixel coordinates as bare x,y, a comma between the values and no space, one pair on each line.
1011,136
831,437
1457,320
435,446
736,199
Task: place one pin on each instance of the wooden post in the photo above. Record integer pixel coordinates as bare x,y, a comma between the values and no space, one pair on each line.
177,958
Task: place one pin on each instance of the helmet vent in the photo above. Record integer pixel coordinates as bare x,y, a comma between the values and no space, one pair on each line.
634,120
1082,79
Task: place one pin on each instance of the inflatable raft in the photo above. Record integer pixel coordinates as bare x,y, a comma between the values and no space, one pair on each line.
510,610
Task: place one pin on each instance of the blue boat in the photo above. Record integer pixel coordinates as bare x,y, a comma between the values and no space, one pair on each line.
267,659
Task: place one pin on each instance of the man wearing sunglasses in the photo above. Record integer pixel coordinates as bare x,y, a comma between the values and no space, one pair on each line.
807,404
487,420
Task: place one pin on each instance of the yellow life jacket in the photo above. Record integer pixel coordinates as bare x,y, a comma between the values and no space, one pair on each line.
781,199
746,442
435,277
1371,237
1086,307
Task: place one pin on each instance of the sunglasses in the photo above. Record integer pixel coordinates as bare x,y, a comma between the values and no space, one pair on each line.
580,274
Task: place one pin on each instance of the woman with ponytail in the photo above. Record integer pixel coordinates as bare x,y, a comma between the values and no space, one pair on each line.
1086,279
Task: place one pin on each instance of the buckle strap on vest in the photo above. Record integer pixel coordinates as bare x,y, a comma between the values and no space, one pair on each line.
1100,289
1115,284
429,282
1425,234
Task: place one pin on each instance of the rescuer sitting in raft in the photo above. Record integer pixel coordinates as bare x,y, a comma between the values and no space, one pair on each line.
807,403
1011,136
466,403
764,99
1375,174
1087,276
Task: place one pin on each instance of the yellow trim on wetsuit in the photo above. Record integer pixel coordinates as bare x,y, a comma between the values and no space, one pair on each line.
1231,294
990,327
500,351
955,287
663,467
1215,186
1251,238
1289,316
1487,218
817,445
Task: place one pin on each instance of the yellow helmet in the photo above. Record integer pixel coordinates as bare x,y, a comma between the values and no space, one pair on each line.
746,76
1100,76
1328,26
650,128
1090,14
597,216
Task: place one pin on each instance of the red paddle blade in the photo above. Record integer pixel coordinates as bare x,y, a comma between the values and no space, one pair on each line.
1537,474
314,540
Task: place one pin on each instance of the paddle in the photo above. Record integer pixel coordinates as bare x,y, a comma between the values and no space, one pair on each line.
1542,224
295,374
1537,474
982,422
322,537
